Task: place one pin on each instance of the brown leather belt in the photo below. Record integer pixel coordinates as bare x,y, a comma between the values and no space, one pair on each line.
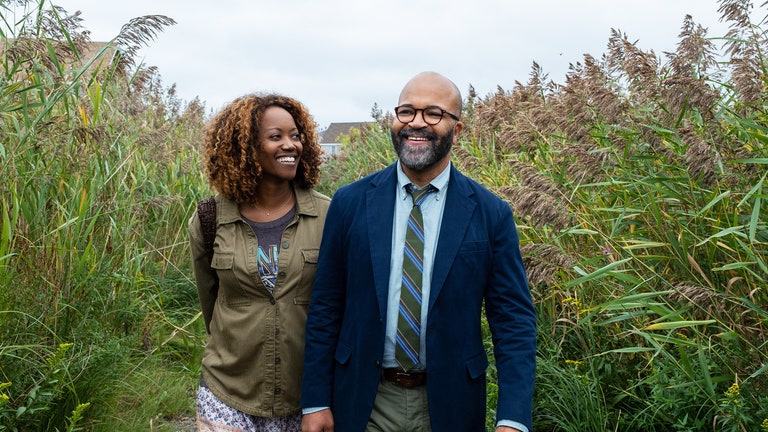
405,379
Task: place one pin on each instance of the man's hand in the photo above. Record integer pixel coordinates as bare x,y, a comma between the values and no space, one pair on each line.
320,421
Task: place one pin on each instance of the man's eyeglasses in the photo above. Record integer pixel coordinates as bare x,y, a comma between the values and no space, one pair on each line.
431,114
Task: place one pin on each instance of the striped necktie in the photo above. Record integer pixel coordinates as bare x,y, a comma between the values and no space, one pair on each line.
409,321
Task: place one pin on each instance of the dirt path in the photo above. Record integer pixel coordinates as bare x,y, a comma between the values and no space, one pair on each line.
185,424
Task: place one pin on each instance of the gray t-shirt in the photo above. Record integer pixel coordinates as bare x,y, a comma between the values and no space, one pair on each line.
269,235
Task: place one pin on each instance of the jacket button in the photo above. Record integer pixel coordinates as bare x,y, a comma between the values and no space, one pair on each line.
278,391
272,300
277,360
281,274
285,245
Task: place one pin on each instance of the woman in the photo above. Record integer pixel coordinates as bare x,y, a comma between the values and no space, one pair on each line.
262,157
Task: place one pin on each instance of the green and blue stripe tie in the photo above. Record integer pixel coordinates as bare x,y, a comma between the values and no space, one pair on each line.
409,321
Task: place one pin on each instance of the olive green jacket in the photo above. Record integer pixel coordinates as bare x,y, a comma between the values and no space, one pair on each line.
254,355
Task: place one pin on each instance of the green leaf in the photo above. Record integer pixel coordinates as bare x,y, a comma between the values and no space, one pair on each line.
642,244
759,161
734,266
716,200
629,350
678,324
728,231
596,274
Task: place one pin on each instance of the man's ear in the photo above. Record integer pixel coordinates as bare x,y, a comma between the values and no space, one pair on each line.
457,130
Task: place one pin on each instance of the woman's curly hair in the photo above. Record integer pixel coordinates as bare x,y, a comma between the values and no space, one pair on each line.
232,144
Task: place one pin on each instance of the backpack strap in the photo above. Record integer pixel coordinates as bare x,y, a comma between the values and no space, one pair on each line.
206,211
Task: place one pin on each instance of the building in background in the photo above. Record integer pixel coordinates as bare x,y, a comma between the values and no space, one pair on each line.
330,139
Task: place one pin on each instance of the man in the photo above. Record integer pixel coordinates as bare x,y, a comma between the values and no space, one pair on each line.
466,251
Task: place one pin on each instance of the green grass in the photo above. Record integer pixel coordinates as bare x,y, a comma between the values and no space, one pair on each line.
638,186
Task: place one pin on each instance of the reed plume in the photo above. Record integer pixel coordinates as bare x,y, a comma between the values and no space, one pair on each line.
543,262
744,44
538,207
701,157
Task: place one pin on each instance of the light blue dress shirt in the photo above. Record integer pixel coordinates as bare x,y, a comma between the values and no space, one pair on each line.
432,211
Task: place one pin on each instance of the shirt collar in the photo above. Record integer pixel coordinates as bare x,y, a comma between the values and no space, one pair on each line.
440,182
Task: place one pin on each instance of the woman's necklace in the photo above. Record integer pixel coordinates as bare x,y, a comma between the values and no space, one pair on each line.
289,200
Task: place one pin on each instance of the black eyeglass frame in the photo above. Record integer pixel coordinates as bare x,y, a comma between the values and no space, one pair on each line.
423,110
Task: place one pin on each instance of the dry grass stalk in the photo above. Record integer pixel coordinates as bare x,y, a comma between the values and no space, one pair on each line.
587,97
743,44
530,177
542,262
702,158
519,117
136,33
685,87
538,207
585,163
640,69
695,54
490,112
728,307
704,297
465,160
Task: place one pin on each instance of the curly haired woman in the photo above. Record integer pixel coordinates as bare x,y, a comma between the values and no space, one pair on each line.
262,157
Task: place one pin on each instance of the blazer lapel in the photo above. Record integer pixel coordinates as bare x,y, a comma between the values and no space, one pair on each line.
380,209
456,216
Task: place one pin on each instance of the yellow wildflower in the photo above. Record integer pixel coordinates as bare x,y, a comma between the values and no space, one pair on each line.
573,301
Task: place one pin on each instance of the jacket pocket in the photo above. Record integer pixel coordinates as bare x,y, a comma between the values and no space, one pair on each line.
308,269
475,247
230,290
342,354
477,365
223,261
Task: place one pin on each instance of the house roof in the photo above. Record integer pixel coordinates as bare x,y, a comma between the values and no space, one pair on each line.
336,130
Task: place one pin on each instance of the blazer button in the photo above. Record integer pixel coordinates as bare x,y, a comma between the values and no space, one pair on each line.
378,364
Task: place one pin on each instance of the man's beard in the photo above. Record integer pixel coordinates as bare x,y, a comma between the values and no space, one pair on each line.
423,157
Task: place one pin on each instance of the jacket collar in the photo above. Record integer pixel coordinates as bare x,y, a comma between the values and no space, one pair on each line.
228,210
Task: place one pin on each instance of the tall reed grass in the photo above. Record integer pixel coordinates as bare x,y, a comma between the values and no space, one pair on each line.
99,169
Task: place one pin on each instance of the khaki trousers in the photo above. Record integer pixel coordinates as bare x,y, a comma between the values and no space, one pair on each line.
399,409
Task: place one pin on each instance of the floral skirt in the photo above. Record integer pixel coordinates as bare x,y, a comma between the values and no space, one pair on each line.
214,415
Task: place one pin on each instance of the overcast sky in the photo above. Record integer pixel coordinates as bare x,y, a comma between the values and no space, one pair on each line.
340,57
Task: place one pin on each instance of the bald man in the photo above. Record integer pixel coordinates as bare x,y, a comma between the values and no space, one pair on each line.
409,256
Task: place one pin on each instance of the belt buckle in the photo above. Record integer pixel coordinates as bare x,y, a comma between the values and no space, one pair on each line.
404,379
402,375
407,379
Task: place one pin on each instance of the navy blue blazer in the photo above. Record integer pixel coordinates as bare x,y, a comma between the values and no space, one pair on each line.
477,262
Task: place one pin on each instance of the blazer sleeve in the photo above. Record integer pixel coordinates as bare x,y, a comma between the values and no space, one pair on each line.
512,320
326,310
